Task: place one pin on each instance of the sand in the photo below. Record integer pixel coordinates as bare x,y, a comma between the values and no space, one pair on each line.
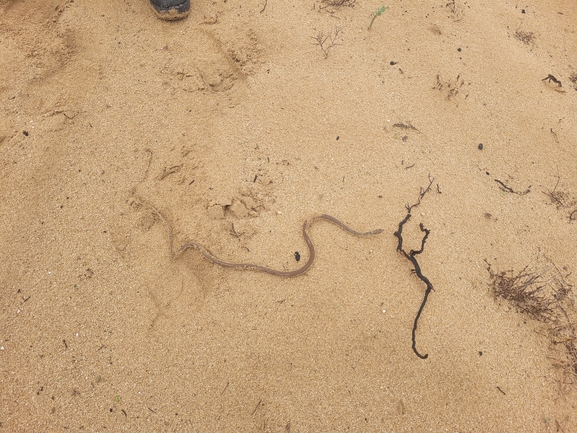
122,137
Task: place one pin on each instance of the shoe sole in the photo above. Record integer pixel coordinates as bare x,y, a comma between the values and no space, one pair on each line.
170,14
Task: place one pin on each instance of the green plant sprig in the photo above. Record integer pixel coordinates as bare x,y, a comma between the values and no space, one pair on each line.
376,14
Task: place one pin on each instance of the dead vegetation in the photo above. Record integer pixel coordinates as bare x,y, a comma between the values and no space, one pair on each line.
450,88
573,79
345,3
528,38
457,10
326,41
541,291
562,200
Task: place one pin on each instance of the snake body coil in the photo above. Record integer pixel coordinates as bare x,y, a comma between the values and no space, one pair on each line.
299,271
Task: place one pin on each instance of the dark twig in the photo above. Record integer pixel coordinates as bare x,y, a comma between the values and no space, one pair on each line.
554,135
504,187
550,78
511,190
256,407
421,195
411,257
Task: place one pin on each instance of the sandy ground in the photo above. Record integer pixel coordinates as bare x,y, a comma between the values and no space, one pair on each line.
122,137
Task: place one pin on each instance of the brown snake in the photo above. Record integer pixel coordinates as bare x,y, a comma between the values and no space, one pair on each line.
251,266
299,271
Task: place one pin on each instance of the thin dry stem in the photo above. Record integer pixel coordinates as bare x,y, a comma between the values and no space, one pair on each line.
328,41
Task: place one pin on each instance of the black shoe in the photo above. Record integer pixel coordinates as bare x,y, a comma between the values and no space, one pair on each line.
170,9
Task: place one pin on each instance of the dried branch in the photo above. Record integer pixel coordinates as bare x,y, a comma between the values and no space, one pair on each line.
329,40
411,257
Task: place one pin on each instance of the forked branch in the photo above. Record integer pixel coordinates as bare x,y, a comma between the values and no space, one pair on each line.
328,40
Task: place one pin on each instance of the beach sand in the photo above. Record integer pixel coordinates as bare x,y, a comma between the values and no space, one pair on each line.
122,137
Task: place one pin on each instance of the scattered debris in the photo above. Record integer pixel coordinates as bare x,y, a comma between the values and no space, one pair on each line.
457,11
528,38
407,125
451,88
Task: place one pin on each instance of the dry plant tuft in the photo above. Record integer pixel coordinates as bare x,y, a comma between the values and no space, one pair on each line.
573,79
528,38
562,199
328,40
541,291
457,11
529,292
450,88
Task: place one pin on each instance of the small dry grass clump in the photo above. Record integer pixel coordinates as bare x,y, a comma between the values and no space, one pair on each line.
530,293
541,292
450,88
457,10
573,79
563,200
528,38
